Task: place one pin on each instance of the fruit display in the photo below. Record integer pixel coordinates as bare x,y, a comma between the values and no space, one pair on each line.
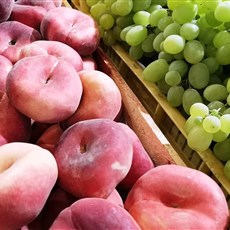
183,47
77,148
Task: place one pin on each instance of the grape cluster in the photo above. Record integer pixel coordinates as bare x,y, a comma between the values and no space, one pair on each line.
184,47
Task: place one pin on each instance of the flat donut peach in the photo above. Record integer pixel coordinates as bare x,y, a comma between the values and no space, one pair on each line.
27,176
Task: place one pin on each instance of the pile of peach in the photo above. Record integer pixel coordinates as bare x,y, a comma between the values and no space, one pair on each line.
67,158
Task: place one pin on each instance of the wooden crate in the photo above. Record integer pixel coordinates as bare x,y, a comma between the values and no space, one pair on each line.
168,119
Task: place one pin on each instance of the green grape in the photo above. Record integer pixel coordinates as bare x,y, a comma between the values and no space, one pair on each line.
220,136
202,23
227,169
153,7
140,5
164,22
136,52
124,21
141,18
181,66
198,139
206,35
174,44
225,123
174,95
199,109
172,78
156,15
222,11
193,51
90,3
163,86
208,5
217,105
109,3
211,63
179,56
198,75
221,38
211,19
226,111
108,38
215,92
157,41
117,31
210,51
136,35
155,70
172,4
106,21
223,55
228,85
189,31
190,123
124,31
184,13
164,55
160,2
97,10
222,150
190,97
211,124
147,44
121,7
173,28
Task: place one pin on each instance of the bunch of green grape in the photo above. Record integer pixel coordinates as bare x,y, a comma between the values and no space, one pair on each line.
184,48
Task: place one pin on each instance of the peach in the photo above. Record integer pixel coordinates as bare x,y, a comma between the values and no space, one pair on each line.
141,162
5,9
15,126
6,66
116,198
13,36
93,156
89,63
101,97
94,213
55,48
28,15
47,4
50,137
71,27
49,93
177,197
27,175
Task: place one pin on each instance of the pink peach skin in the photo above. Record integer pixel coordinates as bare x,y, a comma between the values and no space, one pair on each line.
89,63
6,66
141,162
27,176
5,9
47,4
55,48
13,36
177,197
101,97
94,213
49,93
15,126
72,27
93,156
28,15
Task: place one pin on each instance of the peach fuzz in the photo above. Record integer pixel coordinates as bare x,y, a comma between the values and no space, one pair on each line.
46,4
5,9
180,198
93,156
94,213
55,48
101,97
6,66
15,126
27,176
13,36
74,28
49,93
